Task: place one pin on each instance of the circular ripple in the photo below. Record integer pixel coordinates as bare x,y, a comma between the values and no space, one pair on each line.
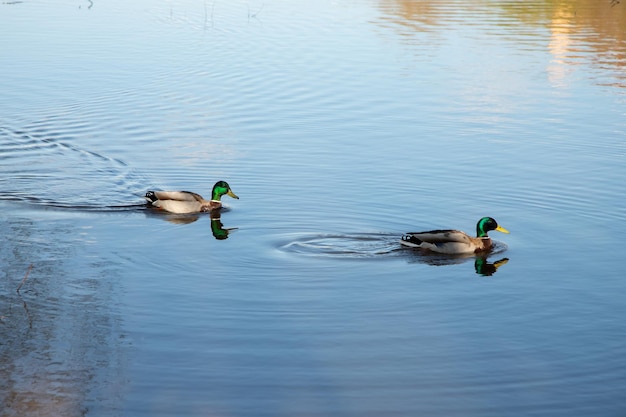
355,245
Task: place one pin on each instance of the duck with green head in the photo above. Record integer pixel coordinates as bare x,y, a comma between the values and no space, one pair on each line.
182,202
455,242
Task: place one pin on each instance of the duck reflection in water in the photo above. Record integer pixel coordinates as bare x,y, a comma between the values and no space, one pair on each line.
487,269
217,227
482,265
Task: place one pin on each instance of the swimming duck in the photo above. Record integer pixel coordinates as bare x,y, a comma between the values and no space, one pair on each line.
454,241
181,202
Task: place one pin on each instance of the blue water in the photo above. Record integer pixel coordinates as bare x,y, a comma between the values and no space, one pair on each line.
340,126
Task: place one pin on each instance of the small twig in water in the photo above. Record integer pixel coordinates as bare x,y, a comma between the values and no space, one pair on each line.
258,11
254,15
206,14
25,276
30,319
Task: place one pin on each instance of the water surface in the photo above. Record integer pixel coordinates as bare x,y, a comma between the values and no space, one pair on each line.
340,126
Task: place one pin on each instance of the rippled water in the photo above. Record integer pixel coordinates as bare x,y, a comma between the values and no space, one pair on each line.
340,125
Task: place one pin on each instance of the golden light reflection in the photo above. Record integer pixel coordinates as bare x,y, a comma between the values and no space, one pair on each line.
580,31
587,31
415,15
560,46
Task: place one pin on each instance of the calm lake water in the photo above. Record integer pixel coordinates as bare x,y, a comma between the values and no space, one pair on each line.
340,125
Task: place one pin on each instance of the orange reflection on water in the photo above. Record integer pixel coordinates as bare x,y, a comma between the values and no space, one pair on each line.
560,46
579,31
587,31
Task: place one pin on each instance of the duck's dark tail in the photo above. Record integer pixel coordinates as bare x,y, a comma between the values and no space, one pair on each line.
151,197
410,240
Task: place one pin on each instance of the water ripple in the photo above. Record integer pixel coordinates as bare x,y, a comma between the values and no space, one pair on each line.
44,167
367,245
355,245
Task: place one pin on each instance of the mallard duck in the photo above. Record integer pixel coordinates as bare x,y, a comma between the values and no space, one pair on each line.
181,202
454,241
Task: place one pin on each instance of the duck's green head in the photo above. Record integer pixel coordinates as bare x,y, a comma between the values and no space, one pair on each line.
487,224
220,188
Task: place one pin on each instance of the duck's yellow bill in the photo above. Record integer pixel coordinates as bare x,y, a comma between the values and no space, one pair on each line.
233,195
502,229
